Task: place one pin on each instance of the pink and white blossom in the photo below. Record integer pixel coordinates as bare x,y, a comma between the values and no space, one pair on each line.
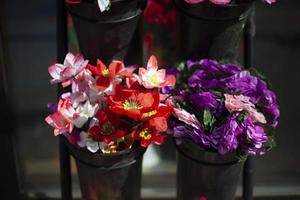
242,103
60,123
78,116
153,77
65,72
186,117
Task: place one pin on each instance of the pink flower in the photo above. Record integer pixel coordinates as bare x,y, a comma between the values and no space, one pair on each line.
60,123
237,102
82,87
152,77
269,1
220,2
71,67
256,116
186,117
193,1
242,103
78,116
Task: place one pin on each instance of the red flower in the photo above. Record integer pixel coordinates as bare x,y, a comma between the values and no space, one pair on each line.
161,111
148,134
133,103
109,128
104,75
148,40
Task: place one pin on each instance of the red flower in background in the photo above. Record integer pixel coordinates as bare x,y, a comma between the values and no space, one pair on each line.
148,40
160,12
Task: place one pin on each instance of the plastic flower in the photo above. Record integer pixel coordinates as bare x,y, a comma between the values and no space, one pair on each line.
105,76
82,88
78,116
71,67
228,108
152,77
109,127
133,103
240,103
148,134
60,123
186,117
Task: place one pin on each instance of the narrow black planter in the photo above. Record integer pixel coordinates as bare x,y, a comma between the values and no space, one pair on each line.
211,31
112,34
103,176
206,174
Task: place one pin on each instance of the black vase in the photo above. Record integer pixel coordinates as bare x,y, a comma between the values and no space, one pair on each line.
113,34
109,176
205,175
211,31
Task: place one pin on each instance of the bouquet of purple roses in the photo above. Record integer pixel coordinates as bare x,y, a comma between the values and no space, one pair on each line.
222,108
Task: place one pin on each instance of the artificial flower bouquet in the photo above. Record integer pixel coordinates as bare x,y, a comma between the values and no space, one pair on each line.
222,108
106,109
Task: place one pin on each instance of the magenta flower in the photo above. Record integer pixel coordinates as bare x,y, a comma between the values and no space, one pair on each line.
186,117
78,116
60,123
65,72
153,77
242,103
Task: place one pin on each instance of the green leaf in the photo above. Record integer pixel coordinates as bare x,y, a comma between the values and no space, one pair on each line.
181,66
242,116
241,156
208,119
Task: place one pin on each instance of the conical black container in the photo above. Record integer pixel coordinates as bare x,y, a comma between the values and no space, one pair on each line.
205,175
211,31
112,34
109,176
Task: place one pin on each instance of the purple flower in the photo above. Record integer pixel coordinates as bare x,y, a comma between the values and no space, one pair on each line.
227,134
52,107
181,131
172,71
254,136
202,79
206,100
242,83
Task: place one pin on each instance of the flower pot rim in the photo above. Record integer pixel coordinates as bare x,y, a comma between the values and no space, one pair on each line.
111,21
121,10
105,161
183,6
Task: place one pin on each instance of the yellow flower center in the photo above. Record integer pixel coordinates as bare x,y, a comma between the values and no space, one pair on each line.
154,79
149,114
105,73
146,134
131,104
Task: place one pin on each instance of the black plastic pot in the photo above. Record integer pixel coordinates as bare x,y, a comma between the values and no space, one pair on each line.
112,34
109,176
206,174
211,31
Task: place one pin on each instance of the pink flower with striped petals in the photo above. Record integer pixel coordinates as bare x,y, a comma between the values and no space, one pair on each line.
65,72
